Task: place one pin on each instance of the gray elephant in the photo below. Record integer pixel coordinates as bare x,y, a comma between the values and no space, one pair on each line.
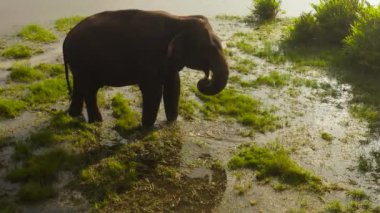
147,48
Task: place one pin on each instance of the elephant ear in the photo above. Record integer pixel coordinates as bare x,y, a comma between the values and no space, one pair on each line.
176,48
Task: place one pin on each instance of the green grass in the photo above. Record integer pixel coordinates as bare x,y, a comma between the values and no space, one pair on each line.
274,79
334,207
19,51
51,69
41,168
67,23
34,192
11,108
36,33
243,66
357,194
365,112
187,106
226,17
127,119
111,174
23,72
47,91
327,136
244,109
274,161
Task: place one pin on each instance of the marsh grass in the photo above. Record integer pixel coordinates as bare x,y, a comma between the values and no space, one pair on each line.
19,51
47,91
187,107
37,171
25,73
51,70
327,136
226,17
357,194
244,109
34,192
127,119
274,161
243,65
36,33
274,79
11,108
67,23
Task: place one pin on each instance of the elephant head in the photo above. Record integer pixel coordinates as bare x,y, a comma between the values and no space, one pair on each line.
197,47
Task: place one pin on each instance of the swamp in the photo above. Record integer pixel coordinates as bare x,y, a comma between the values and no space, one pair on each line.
297,129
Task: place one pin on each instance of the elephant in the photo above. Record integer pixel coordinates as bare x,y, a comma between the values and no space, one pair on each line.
147,48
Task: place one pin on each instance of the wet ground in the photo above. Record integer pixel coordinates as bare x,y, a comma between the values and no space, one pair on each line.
305,113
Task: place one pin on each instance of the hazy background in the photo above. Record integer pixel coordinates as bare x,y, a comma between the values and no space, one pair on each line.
14,13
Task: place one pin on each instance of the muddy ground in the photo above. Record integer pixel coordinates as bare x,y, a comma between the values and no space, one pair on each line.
183,167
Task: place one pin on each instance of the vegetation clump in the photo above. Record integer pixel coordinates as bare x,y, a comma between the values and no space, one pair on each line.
47,91
37,33
127,119
23,72
18,51
51,70
67,23
10,108
244,109
265,10
361,46
273,161
330,23
327,136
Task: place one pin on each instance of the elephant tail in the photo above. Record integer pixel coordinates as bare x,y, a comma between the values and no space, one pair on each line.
67,77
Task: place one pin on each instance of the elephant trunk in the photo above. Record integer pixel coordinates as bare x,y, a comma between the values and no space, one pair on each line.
219,77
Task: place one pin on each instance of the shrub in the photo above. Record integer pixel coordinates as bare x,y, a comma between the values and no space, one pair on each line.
304,29
330,23
362,47
266,9
335,18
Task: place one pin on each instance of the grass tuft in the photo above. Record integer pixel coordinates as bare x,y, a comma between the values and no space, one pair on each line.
244,109
18,51
48,91
23,72
37,33
327,136
273,161
33,192
127,119
10,108
67,23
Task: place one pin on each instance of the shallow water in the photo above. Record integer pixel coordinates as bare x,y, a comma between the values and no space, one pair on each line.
14,13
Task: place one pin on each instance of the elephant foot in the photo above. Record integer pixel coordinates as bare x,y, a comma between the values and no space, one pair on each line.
94,119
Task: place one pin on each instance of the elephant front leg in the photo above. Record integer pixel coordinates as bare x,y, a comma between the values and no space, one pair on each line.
171,96
152,95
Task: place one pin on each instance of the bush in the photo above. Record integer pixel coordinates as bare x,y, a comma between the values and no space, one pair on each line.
304,29
335,18
330,23
266,9
362,47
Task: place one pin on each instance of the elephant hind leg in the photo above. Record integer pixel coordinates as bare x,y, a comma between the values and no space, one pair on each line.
92,106
77,99
171,96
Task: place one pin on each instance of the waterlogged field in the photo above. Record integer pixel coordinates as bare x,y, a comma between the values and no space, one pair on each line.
288,134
